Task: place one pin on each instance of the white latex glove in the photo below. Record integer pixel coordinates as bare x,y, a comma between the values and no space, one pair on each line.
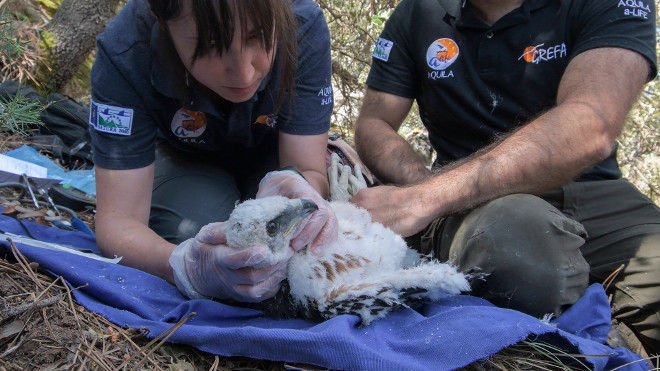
321,227
204,266
344,181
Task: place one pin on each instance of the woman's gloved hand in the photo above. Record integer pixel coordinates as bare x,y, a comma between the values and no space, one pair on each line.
204,266
321,227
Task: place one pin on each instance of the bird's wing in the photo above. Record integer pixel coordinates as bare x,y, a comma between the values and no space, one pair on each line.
377,295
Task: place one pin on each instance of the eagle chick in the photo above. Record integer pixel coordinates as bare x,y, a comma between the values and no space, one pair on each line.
368,271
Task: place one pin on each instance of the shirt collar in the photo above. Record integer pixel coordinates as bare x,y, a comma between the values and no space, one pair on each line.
453,10
517,16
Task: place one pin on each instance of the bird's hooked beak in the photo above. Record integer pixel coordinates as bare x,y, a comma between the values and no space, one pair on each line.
297,210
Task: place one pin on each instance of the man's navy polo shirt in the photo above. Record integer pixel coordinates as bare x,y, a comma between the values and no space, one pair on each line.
140,92
474,83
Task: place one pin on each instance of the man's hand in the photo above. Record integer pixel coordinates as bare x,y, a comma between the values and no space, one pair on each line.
396,208
205,266
321,227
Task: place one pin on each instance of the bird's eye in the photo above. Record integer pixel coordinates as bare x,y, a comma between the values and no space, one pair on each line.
271,228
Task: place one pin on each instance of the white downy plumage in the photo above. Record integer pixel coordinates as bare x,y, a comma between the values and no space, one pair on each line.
368,271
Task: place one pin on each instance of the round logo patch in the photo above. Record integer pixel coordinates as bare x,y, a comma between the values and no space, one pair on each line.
441,54
188,124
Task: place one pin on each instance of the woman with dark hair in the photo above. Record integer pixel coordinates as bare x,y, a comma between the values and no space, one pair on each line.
197,105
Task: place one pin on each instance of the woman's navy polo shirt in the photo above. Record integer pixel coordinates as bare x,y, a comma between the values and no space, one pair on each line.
473,82
140,92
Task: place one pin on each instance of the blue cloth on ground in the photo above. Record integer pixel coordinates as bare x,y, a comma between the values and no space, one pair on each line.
445,335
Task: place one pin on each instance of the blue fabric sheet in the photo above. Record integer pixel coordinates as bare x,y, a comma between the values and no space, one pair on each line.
444,335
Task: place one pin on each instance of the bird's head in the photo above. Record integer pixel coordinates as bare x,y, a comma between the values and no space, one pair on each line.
268,221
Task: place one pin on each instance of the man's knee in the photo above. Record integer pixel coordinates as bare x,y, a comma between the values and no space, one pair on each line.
529,250
635,298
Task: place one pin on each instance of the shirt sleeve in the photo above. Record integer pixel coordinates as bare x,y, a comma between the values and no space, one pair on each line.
393,68
308,111
616,23
122,132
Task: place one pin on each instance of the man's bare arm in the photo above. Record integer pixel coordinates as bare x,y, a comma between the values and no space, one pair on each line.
381,148
592,103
